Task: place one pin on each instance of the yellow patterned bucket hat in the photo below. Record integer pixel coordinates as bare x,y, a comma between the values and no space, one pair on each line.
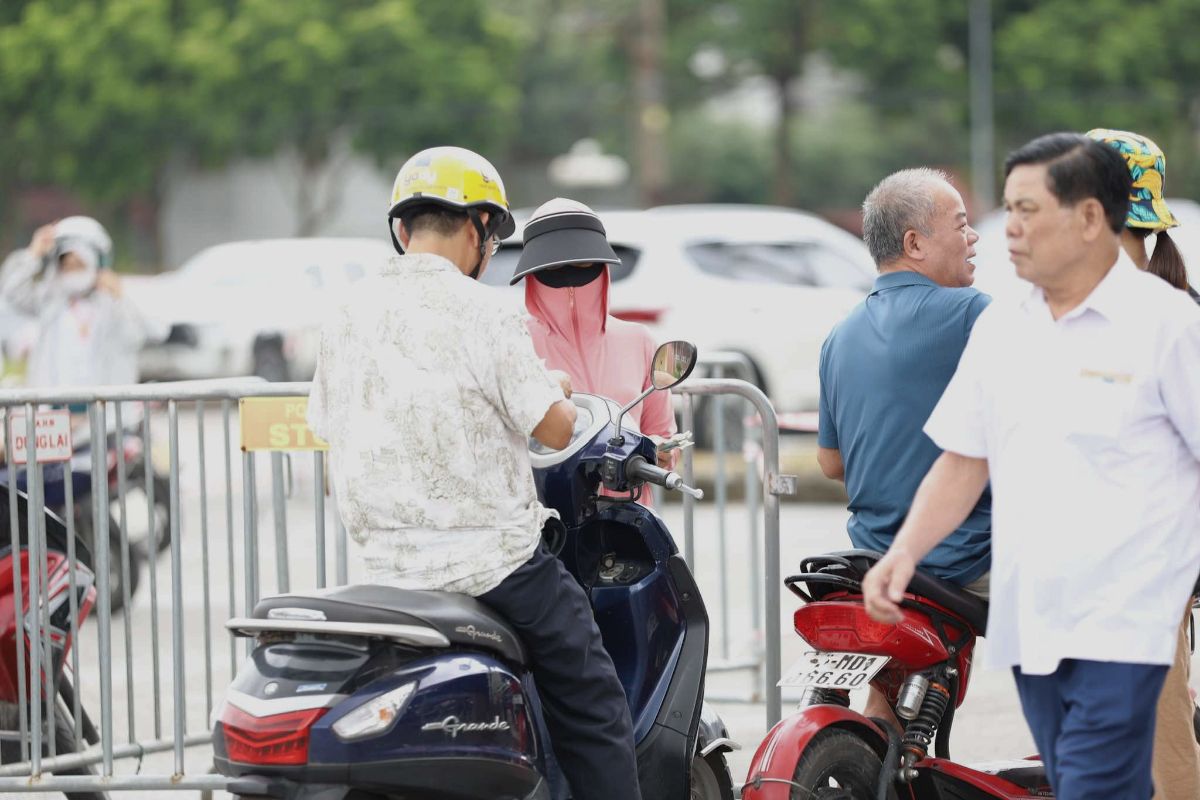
1148,166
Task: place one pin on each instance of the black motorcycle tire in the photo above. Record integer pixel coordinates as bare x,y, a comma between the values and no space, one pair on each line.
353,795
162,507
64,742
710,779
116,571
837,765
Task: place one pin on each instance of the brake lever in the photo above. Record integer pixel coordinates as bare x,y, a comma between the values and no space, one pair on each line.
674,481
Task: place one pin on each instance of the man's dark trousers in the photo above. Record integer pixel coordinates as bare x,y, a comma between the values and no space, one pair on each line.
1093,722
585,706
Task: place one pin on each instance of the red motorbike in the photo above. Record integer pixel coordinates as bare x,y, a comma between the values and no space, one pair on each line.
826,751
55,690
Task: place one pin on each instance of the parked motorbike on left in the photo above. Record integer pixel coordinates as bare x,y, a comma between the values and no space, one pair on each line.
147,500
55,689
127,562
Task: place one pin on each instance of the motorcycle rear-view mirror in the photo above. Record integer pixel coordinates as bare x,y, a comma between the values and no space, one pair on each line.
673,362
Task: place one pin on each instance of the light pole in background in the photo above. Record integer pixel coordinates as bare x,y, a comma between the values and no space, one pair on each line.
650,97
983,144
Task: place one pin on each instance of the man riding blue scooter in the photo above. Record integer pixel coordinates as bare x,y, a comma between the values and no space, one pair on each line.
427,388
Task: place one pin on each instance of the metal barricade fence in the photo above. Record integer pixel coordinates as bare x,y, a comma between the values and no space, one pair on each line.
762,566
718,423
111,703
171,631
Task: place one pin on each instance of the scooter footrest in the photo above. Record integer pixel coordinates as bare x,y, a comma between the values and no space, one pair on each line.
1026,774
256,786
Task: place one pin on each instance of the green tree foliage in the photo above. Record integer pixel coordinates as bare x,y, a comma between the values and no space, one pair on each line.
1058,64
571,77
769,38
1104,63
100,95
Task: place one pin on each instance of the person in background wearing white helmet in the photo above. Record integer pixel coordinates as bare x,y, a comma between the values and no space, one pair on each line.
565,264
427,388
86,333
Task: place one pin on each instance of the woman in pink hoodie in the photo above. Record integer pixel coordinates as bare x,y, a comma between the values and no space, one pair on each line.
564,262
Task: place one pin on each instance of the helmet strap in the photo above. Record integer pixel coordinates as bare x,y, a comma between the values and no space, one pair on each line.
473,215
392,233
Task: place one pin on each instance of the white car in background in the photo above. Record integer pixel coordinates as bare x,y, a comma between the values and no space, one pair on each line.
995,274
250,308
766,282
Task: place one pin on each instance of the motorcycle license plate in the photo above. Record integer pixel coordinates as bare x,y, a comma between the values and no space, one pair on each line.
833,670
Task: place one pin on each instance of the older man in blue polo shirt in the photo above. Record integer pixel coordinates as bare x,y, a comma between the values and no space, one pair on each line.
884,367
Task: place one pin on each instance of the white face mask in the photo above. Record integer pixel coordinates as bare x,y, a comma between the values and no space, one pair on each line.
79,282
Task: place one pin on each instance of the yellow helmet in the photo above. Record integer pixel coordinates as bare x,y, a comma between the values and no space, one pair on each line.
455,178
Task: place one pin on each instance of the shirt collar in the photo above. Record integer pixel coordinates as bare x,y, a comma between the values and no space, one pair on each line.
902,277
1106,299
1110,298
417,263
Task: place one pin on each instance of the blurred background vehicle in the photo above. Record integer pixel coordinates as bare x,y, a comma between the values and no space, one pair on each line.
758,280
250,308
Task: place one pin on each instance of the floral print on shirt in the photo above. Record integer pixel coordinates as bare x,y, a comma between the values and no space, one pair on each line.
427,388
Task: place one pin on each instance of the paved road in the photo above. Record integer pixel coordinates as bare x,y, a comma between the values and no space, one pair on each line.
988,727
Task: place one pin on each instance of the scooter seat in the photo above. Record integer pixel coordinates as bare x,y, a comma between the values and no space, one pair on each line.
460,618
948,595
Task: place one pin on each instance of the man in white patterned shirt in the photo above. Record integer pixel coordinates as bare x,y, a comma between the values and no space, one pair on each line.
427,389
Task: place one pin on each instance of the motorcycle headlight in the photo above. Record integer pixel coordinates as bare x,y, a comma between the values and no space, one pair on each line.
376,716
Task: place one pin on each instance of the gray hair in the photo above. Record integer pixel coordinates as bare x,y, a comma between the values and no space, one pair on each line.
901,202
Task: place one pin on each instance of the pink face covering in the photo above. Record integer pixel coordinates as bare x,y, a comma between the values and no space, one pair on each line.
573,332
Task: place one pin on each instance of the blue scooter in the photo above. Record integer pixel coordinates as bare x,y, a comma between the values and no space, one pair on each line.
372,692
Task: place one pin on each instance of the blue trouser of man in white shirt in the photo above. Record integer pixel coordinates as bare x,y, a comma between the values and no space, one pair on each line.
1093,725
582,699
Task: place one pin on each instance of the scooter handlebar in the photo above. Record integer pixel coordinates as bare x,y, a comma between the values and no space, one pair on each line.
641,469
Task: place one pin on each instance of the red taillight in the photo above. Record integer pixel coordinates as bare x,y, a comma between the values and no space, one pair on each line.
281,739
844,626
650,316
840,626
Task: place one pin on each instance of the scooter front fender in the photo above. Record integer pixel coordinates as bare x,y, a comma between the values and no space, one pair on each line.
774,764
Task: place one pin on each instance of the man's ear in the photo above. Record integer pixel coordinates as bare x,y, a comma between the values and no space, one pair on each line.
912,245
403,234
473,232
1093,220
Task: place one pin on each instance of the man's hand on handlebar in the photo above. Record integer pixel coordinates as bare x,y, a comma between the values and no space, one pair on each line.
884,585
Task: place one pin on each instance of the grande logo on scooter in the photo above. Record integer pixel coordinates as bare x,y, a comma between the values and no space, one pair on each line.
474,633
452,726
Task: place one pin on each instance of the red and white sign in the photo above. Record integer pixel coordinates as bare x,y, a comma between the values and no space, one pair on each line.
53,439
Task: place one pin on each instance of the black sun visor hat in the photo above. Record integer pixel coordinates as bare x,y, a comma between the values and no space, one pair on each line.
563,232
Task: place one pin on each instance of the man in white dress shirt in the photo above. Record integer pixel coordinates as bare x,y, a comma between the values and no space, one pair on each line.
1081,403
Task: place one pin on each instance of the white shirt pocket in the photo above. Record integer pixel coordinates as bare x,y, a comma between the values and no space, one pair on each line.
1099,407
